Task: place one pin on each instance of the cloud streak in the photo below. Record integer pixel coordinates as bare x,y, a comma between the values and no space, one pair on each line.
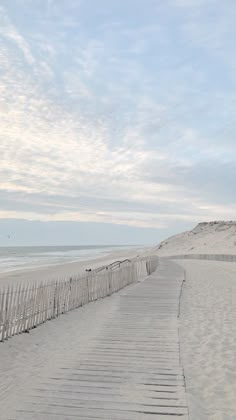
107,120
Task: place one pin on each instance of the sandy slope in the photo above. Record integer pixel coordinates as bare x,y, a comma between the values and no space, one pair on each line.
205,238
208,338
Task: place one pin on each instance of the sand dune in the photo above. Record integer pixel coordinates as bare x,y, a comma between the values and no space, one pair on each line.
208,319
207,325
206,238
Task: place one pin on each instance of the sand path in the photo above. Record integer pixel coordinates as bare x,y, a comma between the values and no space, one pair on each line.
117,358
208,338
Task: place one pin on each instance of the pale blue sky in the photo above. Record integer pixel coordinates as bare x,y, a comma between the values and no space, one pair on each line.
116,113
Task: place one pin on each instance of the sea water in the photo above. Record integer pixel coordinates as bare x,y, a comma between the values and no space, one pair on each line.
20,258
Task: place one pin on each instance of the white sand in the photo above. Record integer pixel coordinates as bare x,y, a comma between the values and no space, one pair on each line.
208,338
207,326
208,319
66,270
205,238
28,360
55,369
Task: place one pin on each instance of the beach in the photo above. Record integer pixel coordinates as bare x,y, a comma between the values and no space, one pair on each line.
207,327
100,361
207,317
205,238
207,338
66,270
117,210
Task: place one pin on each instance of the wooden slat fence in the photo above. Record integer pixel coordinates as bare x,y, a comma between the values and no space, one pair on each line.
25,306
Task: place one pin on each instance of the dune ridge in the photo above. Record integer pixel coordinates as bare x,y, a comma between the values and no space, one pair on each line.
216,237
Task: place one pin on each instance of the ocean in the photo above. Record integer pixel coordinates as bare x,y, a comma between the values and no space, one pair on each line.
20,258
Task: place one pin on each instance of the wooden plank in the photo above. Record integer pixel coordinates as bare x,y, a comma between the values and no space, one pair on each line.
6,313
132,369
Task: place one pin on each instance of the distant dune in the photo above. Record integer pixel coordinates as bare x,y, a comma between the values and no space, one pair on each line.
217,237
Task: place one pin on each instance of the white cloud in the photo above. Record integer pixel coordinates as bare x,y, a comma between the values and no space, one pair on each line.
108,128
9,31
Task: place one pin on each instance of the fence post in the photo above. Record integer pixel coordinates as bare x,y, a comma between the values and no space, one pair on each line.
25,306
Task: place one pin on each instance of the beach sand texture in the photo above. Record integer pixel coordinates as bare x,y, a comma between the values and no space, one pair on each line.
205,238
208,338
208,319
207,325
116,358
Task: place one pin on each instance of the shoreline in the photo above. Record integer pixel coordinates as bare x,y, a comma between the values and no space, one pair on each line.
64,270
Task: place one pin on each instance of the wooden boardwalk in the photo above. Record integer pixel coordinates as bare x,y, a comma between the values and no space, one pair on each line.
131,370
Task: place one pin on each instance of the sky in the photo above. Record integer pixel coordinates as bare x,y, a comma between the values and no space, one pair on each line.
117,119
